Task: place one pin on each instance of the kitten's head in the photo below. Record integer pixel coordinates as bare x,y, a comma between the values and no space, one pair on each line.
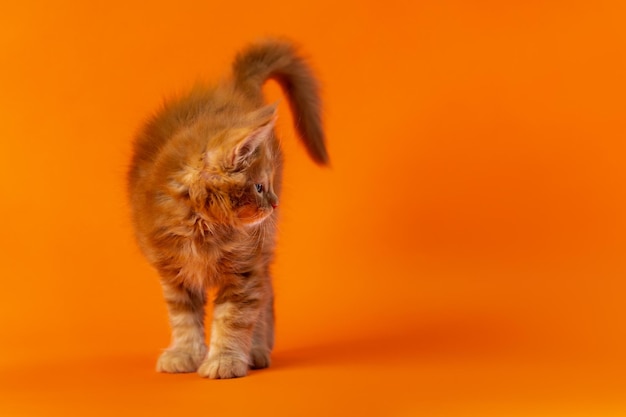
237,172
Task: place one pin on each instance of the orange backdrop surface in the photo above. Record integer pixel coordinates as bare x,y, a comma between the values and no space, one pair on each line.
464,255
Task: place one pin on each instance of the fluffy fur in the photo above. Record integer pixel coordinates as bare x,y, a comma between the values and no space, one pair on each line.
204,185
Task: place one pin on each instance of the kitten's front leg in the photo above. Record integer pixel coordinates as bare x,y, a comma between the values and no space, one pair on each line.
186,311
236,312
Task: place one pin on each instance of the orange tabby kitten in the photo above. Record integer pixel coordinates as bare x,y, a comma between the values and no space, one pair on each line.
204,185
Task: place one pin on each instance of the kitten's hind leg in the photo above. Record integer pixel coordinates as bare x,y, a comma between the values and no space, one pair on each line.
263,338
186,312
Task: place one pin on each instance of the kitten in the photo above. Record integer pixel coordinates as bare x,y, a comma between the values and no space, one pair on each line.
204,185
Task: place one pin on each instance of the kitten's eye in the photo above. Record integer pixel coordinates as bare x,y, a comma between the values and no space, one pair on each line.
259,188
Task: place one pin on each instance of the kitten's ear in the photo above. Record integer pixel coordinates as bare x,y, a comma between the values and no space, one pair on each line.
264,119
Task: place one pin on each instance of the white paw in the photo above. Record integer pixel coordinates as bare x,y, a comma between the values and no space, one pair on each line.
223,366
174,361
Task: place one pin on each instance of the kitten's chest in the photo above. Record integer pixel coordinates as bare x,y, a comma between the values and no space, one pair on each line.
213,260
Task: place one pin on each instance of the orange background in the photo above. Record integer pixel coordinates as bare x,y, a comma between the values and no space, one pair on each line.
463,256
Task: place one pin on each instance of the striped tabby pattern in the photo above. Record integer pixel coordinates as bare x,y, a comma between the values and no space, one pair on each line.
204,185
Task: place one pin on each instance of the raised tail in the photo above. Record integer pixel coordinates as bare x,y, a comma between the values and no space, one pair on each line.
280,61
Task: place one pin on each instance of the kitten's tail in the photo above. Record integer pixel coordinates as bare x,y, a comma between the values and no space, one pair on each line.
280,61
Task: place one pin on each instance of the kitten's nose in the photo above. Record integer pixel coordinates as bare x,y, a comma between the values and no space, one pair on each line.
273,199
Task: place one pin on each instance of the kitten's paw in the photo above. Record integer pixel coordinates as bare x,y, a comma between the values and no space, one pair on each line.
223,367
259,358
174,361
